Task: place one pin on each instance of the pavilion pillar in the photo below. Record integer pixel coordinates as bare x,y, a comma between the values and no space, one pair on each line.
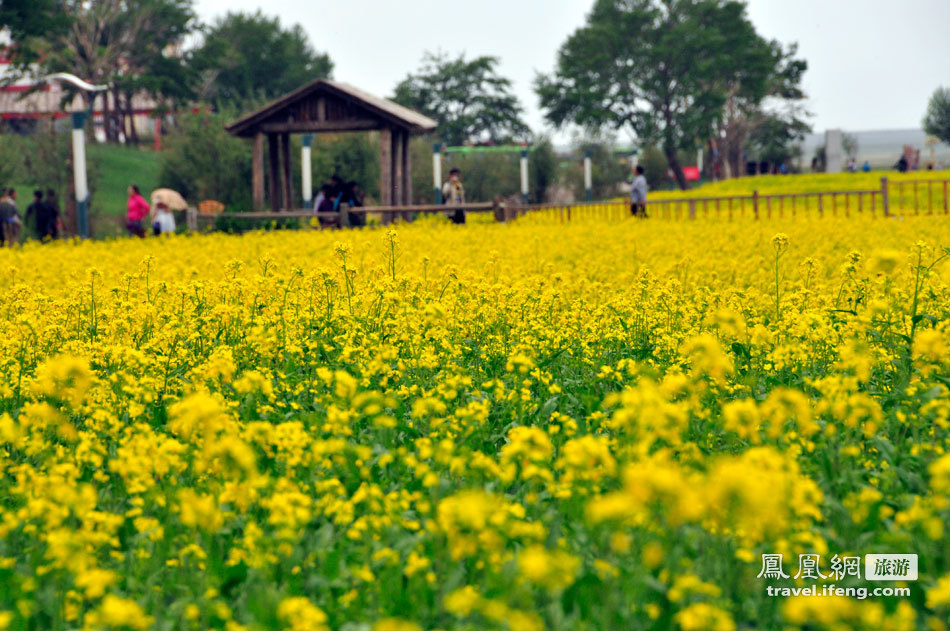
257,172
273,170
407,170
386,170
399,163
286,174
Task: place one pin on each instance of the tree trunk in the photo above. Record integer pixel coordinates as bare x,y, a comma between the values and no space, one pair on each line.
674,163
130,111
106,117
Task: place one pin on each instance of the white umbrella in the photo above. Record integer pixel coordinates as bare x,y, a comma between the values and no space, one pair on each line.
170,198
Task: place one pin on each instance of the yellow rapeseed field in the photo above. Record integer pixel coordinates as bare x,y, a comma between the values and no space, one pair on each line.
595,425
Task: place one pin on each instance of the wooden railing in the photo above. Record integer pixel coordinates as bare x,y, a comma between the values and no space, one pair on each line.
890,198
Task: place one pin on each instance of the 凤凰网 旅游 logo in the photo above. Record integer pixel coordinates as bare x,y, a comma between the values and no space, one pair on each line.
877,567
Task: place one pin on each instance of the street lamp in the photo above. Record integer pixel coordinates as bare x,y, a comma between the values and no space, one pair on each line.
79,148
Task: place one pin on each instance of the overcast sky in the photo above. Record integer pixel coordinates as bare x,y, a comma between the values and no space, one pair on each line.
872,63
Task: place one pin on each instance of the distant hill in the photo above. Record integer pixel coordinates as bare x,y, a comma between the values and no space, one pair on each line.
883,148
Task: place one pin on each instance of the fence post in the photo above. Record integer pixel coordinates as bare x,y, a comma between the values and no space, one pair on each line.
692,209
945,204
885,202
191,219
755,203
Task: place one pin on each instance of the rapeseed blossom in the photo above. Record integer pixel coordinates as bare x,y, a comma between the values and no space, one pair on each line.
594,425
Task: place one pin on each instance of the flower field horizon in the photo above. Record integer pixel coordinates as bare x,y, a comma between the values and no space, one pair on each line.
585,426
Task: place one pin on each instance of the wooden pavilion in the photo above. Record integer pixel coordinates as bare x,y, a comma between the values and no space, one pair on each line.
330,106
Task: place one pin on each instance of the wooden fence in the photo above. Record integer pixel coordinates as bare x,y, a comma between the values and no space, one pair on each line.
919,196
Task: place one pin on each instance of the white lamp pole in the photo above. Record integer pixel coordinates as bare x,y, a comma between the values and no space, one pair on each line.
588,178
437,173
305,174
80,180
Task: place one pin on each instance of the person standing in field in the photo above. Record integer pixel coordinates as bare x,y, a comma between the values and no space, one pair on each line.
55,224
36,215
453,192
638,194
137,210
10,218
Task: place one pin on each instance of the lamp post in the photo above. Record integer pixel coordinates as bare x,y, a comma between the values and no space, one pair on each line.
588,179
80,178
307,183
524,176
437,172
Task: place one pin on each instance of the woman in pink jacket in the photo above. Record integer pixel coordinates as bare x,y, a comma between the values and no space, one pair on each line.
137,212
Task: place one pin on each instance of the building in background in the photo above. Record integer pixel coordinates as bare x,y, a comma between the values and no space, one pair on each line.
24,107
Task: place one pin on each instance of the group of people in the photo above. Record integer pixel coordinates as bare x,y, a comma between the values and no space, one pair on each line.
336,194
138,210
42,217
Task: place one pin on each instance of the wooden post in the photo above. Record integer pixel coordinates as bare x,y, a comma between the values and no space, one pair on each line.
158,134
286,174
399,156
191,219
407,172
692,209
257,172
930,197
755,203
885,202
945,202
768,207
386,170
821,206
273,169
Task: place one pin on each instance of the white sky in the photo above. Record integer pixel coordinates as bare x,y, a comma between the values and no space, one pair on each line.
872,63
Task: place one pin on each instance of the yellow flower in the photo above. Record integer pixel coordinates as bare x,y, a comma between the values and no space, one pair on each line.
299,614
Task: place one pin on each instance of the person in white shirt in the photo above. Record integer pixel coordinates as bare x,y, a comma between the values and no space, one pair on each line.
453,192
638,194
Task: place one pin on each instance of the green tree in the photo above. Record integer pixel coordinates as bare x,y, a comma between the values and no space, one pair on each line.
147,67
773,75
29,22
203,161
248,56
937,119
660,68
469,99
776,139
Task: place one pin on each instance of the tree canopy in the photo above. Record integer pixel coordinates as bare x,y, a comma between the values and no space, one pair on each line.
937,119
468,98
249,56
661,69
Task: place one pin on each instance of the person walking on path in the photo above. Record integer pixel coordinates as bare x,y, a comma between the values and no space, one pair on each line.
638,194
137,210
453,192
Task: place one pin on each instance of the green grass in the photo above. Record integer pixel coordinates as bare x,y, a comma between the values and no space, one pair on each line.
115,168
